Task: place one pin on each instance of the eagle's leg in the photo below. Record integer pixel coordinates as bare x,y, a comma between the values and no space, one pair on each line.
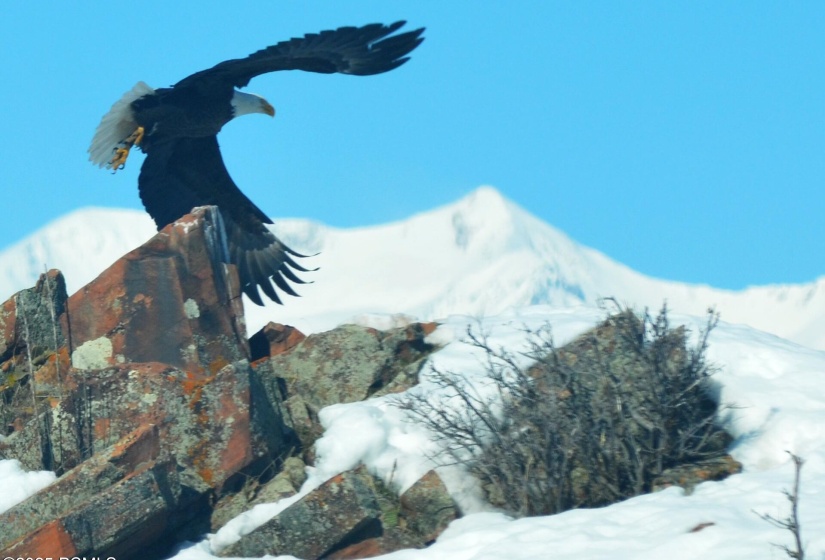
122,152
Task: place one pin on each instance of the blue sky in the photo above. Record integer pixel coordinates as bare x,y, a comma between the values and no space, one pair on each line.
684,139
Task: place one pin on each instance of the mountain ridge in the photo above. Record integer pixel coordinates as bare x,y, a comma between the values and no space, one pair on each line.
480,255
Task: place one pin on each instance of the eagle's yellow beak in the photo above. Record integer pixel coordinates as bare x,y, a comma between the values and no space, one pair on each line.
267,108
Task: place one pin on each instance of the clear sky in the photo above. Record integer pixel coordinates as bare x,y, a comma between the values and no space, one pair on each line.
684,139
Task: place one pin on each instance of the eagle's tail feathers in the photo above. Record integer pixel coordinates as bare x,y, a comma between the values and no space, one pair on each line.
116,126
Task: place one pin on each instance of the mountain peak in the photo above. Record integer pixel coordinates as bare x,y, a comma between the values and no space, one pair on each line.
484,216
485,196
480,255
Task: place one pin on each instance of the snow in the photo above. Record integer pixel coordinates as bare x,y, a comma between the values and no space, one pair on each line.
480,255
776,388
16,484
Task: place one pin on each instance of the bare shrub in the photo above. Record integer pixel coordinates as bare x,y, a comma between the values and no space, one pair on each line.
791,523
585,425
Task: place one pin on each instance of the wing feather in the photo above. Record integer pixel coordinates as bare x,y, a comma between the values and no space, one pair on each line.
360,51
183,173
281,283
289,274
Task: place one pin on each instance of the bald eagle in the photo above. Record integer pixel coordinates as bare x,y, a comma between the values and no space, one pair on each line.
176,127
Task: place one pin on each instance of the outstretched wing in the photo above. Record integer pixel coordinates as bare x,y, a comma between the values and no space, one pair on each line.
182,173
360,51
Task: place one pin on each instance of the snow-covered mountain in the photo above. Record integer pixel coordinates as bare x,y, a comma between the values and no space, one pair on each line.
478,256
483,255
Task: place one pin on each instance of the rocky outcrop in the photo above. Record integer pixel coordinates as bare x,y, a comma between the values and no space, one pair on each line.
164,422
32,343
344,509
348,364
138,390
426,507
122,502
171,300
28,319
274,339
285,484
353,515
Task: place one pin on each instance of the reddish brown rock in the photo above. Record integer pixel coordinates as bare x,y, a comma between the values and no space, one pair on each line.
28,320
134,489
137,391
353,515
170,300
51,377
29,326
343,510
32,350
38,525
389,541
133,518
204,421
157,415
49,541
274,339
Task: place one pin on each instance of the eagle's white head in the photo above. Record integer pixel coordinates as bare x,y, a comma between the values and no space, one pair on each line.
247,103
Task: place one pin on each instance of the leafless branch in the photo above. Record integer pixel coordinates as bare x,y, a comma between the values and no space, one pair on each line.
583,425
791,523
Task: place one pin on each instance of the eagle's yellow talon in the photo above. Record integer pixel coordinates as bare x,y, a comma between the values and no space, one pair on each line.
135,138
119,161
122,153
